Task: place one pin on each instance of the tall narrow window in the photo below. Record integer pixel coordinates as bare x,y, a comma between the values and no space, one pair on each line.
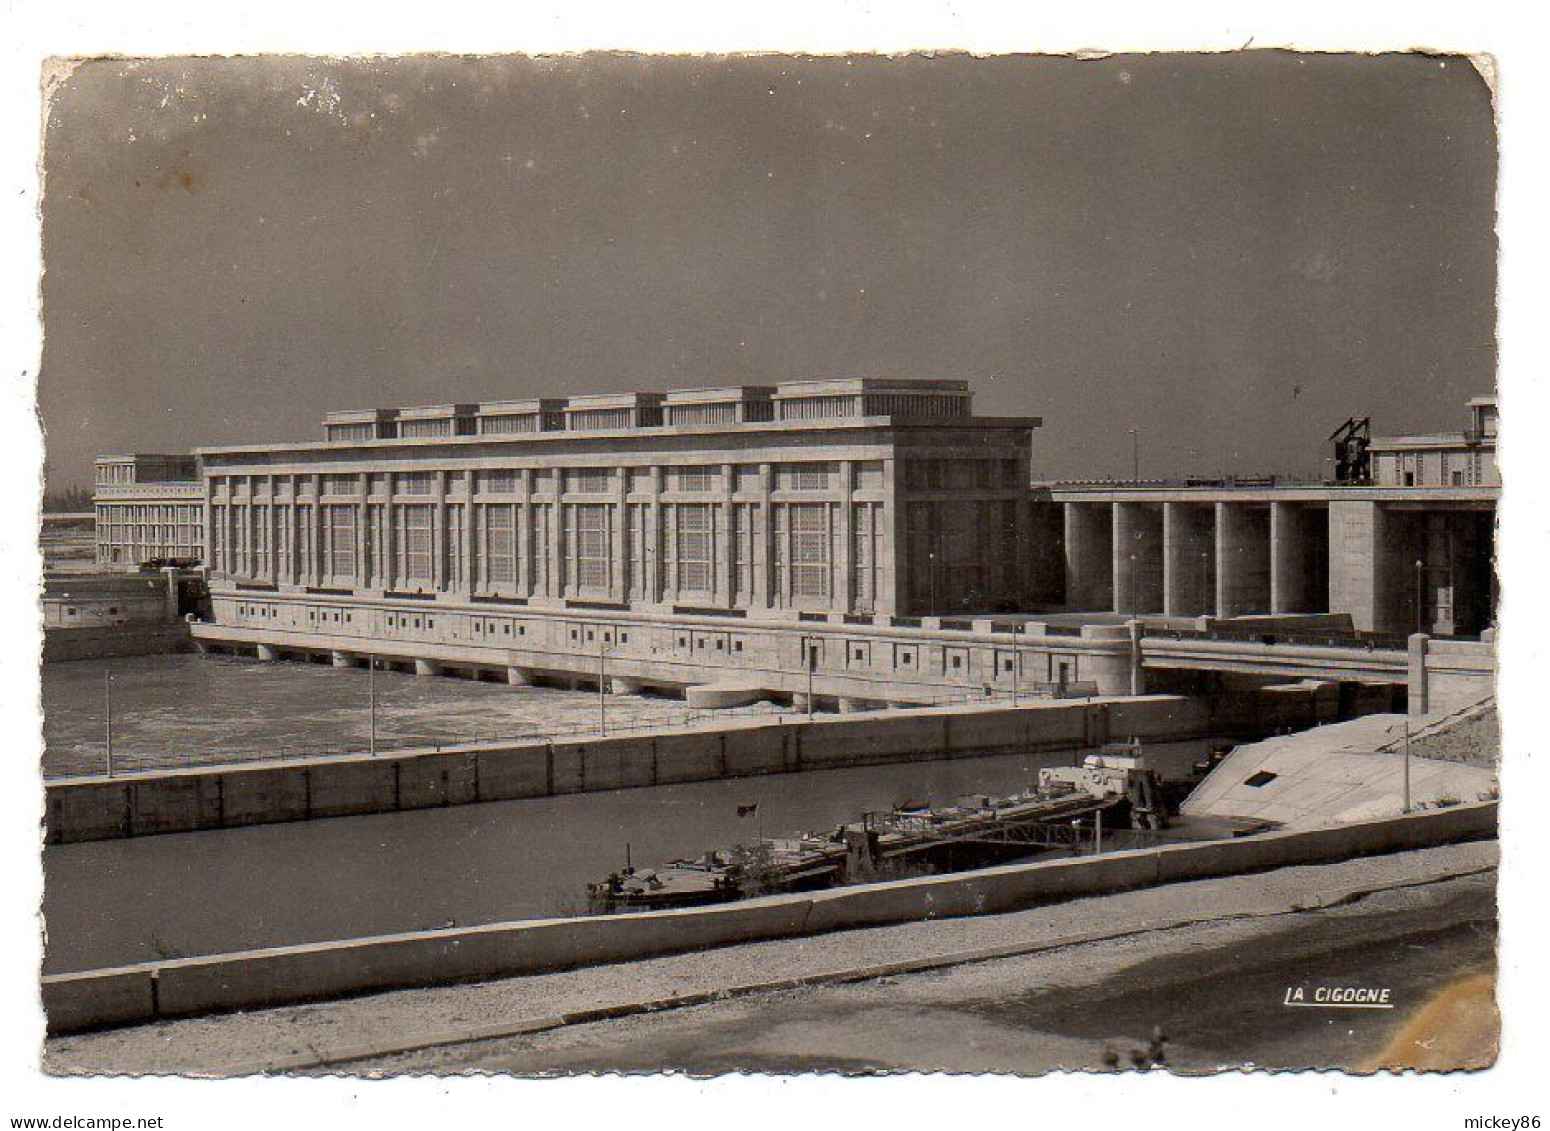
696,571
809,552
864,556
415,568
501,546
341,541
742,554
590,546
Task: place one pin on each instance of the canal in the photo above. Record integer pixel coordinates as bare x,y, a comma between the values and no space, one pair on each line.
120,901
112,902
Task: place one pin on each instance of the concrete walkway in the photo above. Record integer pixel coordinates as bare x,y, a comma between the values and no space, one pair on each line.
340,1032
1342,773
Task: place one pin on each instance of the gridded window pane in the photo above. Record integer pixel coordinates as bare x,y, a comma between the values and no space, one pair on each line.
502,482
500,540
417,543
809,551
805,476
592,546
587,480
695,544
415,483
694,479
341,541
341,484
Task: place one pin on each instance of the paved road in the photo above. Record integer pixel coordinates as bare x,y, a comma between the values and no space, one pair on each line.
1215,991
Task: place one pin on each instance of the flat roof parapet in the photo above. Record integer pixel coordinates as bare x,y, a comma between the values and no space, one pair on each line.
521,408
360,415
845,386
719,393
436,411
590,412
725,404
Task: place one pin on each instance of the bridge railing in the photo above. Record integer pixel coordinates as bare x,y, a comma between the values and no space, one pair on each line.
1361,641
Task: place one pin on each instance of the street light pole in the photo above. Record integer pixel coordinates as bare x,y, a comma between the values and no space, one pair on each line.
1014,665
107,691
808,656
602,684
1420,595
371,698
1407,764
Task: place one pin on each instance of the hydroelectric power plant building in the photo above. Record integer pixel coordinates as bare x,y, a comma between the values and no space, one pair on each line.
866,540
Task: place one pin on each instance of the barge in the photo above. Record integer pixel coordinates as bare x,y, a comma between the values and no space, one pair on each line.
1068,808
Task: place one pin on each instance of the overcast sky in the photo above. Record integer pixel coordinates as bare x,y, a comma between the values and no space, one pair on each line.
1231,253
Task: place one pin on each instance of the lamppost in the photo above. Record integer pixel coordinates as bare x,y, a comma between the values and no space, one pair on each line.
1420,595
602,682
1407,764
810,659
107,692
371,699
1015,657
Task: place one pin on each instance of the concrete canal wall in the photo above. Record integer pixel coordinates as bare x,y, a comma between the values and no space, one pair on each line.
106,642
214,797
287,975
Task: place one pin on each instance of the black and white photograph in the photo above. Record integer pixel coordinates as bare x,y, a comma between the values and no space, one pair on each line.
770,562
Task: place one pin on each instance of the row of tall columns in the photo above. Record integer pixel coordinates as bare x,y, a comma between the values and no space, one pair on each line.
1188,559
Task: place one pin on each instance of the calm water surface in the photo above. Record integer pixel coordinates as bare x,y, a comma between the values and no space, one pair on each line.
119,901
114,902
183,710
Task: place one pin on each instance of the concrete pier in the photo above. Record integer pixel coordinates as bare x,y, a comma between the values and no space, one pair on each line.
1138,557
519,677
427,667
266,652
1242,560
1089,556
1189,550
343,660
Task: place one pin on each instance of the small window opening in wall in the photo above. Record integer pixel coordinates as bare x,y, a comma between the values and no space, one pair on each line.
417,622
1262,778
624,638
70,612
573,634
957,662
860,655
591,636
737,645
1006,665
429,623
112,610
701,645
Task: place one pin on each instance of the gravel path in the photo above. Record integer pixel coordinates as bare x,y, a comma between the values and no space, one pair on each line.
216,1045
